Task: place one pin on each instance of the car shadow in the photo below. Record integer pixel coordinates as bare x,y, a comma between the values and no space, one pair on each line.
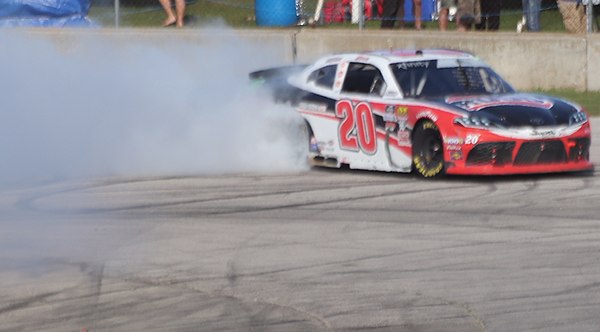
459,178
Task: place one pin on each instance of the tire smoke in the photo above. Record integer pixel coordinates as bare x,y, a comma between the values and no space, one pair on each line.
95,107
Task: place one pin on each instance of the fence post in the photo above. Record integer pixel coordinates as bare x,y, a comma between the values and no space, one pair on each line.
117,7
361,14
589,13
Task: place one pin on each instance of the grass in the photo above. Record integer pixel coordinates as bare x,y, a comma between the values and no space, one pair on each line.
590,100
237,13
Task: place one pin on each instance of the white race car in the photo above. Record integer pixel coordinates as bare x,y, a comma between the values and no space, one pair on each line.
433,111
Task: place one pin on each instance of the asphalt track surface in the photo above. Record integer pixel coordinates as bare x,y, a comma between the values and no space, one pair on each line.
320,250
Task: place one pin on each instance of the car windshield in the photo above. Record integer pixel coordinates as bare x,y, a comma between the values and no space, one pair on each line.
438,78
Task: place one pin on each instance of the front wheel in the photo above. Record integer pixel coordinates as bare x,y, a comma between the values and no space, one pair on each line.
428,152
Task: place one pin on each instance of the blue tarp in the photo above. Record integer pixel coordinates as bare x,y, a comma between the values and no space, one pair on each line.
44,13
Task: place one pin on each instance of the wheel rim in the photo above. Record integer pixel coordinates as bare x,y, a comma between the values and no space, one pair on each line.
429,158
431,152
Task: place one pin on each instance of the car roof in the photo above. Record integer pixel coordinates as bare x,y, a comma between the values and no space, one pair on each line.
420,54
398,55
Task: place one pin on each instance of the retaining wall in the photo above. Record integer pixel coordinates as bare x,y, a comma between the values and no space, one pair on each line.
528,61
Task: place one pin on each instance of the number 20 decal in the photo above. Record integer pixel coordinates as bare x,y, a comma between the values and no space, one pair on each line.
471,139
356,131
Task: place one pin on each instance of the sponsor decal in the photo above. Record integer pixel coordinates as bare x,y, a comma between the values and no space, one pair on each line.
526,133
427,115
362,58
325,146
401,110
402,123
544,133
456,155
454,147
404,138
453,141
314,146
429,125
411,65
312,107
458,141
390,114
478,103
339,78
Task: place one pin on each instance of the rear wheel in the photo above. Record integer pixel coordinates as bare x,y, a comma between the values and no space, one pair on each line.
428,152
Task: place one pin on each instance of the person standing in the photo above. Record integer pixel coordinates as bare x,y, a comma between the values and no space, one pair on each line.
417,11
531,12
393,10
490,15
468,14
173,18
444,13
573,14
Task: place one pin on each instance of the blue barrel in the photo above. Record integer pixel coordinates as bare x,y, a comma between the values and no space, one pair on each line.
278,13
428,8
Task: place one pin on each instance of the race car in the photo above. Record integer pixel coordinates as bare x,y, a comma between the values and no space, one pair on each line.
432,111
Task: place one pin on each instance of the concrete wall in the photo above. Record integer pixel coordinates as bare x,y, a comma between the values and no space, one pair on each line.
279,42
526,60
593,62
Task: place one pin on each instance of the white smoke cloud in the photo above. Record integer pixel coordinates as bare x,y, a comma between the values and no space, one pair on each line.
92,107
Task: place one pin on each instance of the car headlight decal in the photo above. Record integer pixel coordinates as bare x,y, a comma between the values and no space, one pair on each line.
577,118
475,121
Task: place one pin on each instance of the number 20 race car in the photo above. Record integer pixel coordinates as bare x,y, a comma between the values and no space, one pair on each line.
432,111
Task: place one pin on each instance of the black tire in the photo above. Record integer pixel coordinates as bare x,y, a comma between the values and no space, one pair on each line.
428,150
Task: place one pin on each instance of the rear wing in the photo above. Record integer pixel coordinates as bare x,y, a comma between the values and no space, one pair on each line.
275,79
276,74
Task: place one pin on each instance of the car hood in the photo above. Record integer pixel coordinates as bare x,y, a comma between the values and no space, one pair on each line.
518,110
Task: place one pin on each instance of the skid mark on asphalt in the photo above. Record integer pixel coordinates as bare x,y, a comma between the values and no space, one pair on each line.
28,203
97,278
256,309
27,302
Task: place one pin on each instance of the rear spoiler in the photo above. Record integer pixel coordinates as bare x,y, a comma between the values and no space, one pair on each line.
275,79
275,75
